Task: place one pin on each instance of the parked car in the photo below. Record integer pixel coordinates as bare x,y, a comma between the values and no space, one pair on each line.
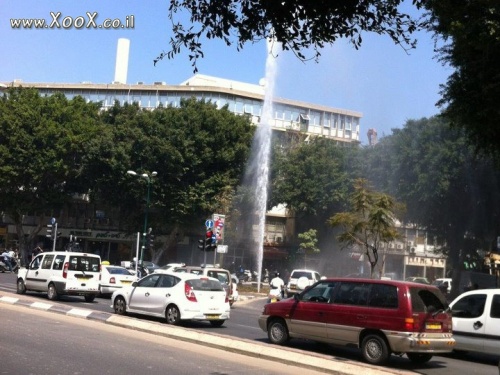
476,321
172,266
378,316
114,278
221,274
61,273
301,279
418,279
176,297
443,284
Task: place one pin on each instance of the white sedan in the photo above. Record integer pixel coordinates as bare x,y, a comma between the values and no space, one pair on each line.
114,278
176,297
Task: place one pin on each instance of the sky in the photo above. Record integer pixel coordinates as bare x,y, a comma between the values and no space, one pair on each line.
382,81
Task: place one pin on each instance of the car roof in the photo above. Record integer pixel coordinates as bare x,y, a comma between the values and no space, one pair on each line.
379,281
183,275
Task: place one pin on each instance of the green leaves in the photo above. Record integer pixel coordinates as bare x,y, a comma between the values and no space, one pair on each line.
297,25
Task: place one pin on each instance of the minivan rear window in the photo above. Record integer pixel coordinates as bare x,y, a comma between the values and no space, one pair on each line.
425,300
205,284
84,263
299,274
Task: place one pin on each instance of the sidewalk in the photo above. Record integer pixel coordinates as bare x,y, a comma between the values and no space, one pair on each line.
299,358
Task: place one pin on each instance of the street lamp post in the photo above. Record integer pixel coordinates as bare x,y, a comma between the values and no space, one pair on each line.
148,178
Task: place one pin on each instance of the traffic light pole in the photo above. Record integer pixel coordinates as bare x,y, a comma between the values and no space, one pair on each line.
54,239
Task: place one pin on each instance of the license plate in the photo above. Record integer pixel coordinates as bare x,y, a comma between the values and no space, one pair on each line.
126,282
82,278
212,316
432,325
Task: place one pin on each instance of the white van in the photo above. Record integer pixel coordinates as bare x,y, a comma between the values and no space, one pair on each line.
62,273
476,321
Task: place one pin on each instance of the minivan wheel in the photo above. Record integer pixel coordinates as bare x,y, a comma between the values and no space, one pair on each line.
419,357
52,292
277,332
173,315
120,306
375,350
21,288
89,298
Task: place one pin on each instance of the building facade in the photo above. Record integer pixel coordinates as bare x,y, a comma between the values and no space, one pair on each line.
98,229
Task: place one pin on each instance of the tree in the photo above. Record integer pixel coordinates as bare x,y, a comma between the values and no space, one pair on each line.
199,152
369,224
43,141
470,31
308,246
312,178
447,188
297,25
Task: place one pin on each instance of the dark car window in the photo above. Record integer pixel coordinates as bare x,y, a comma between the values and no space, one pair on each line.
47,261
59,262
205,284
84,263
149,281
495,306
426,300
223,277
167,281
118,271
299,274
471,306
320,292
382,295
352,293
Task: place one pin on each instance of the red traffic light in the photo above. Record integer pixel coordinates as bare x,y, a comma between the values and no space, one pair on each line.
209,234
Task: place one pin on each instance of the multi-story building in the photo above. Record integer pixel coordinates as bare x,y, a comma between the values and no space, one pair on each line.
99,230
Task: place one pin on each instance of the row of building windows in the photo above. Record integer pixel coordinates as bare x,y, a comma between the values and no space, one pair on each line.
286,113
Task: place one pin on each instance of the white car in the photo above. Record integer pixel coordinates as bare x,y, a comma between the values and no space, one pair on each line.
476,321
114,278
61,273
176,297
301,279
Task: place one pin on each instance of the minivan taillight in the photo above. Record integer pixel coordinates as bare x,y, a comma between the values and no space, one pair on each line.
411,325
65,270
112,280
188,291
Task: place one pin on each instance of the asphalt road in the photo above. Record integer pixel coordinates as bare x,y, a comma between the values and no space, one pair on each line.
243,325
42,343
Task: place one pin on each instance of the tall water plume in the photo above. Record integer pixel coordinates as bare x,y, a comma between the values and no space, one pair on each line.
258,171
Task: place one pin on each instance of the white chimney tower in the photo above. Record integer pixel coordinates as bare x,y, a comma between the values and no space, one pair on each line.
121,66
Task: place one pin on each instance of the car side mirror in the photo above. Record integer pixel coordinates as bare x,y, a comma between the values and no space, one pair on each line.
323,278
134,283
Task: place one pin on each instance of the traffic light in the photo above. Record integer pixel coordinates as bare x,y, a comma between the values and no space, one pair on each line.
209,243
150,239
50,231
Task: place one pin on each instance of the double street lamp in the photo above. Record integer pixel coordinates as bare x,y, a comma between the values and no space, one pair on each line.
148,178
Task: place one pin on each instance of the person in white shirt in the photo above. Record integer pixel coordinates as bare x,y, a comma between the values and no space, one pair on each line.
278,283
7,260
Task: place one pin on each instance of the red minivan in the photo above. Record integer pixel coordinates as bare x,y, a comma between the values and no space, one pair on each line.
382,317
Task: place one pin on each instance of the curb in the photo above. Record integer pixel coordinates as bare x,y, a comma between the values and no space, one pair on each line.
295,357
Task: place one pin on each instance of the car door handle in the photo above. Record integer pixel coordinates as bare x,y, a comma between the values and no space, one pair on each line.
147,294
477,325
167,295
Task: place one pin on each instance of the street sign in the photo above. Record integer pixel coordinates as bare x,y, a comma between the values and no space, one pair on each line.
222,249
209,224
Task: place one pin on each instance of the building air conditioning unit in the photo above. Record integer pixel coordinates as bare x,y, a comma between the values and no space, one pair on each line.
400,246
391,246
411,243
